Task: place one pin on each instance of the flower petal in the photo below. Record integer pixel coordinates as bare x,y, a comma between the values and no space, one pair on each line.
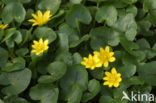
113,71
112,59
34,16
39,13
46,42
107,49
107,73
106,64
116,84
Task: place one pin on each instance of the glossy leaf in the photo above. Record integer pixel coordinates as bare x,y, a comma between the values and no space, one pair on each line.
13,11
78,13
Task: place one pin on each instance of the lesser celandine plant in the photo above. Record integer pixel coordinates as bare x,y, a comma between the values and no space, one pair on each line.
77,51
40,18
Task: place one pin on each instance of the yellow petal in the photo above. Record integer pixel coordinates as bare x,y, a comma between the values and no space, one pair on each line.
112,59
41,40
111,54
32,20
46,47
99,64
114,71
105,78
33,46
33,51
96,53
116,85
119,75
83,63
38,53
34,16
92,68
85,58
35,42
105,83
101,49
119,79
47,15
34,24
106,64
107,73
110,85
90,56
107,48
39,13
46,42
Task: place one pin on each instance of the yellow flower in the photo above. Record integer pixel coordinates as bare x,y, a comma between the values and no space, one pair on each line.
40,19
40,46
112,78
105,56
91,62
3,26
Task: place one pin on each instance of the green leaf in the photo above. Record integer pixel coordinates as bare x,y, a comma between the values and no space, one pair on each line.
13,11
27,36
16,64
135,80
64,56
106,99
127,25
108,14
97,73
57,69
10,1
12,36
63,42
149,4
75,94
52,5
147,72
93,89
75,74
143,44
116,3
15,38
45,33
8,33
102,36
132,9
15,99
77,58
76,43
132,48
22,51
127,70
45,93
72,34
144,28
76,1
3,57
98,0
129,1
18,81
45,79
1,101
78,13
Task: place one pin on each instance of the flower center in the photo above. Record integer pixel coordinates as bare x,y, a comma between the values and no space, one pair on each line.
104,56
112,78
40,47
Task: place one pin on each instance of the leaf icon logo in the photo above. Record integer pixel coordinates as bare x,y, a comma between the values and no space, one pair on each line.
125,96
